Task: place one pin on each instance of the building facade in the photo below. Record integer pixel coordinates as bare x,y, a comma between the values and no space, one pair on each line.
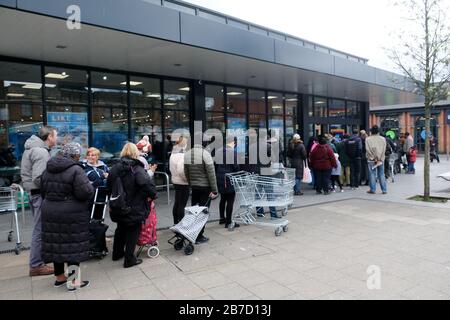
134,68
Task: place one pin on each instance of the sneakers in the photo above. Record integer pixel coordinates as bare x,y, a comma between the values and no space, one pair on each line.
201,240
60,283
43,270
138,261
342,190
236,225
83,284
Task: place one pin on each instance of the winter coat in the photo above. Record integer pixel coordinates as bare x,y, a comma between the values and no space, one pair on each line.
199,169
223,182
138,187
343,157
297,153
176,166
375,148
95,173
413,155
66,191
322,158
34,162
353,147
409,142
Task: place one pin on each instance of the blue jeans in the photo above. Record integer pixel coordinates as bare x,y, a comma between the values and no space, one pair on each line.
268,190
411,167
297,184
377,172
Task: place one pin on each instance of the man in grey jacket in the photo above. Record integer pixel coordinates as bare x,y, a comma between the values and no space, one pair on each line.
34,162
375,153
201,176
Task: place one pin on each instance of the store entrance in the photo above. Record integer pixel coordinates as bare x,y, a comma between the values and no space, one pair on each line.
420,132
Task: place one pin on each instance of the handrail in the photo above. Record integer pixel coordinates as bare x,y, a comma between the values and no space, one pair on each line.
19,188
167,185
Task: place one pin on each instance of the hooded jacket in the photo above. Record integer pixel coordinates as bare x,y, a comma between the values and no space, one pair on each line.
34,162
199,169
66,192
139,188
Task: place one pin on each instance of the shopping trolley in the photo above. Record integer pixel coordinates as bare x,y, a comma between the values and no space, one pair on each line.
393,162
255,191
188,229
9,198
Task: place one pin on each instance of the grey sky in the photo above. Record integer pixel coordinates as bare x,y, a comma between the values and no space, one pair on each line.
359,27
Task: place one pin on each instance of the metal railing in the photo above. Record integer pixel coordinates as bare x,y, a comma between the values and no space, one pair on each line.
245,25
167,185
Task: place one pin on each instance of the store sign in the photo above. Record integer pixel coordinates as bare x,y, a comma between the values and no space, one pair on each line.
71,126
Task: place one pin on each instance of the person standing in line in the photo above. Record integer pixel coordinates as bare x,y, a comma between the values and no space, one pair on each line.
323,161
345,161
297,154
375,152
434,149
412,160
364,179
409,143
95,169
312,144
34,162
66,192
201,176
227,193
180,183
138,188
335,175
353,149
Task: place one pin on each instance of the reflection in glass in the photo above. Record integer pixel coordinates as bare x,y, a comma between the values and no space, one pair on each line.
257,101
275,100
237,100
337,108
109,113
320,107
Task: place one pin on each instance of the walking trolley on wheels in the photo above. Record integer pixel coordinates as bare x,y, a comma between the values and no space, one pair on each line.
188,229
9,198
254,191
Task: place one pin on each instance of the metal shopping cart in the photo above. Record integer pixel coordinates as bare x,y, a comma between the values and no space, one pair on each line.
9,198
255,191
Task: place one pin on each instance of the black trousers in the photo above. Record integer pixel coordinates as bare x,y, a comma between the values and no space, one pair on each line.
181,200
200,196
355,172
323,180
334,180
226,204
364,171
125,241
59,267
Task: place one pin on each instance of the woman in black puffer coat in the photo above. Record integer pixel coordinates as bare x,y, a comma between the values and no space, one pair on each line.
66,192
139,188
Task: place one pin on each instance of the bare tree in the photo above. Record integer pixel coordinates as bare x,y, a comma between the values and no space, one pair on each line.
422,54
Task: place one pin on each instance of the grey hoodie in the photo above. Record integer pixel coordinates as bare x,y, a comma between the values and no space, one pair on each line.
34,162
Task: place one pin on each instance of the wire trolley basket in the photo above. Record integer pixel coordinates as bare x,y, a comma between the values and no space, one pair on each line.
9,199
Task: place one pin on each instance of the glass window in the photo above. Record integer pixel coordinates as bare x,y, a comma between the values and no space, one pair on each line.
337,108
257,101
353,110
257,121
176,95
215,120
320,107
291,115
109,113
20,112
276,123
66,95
237,100
214,98
238,123
145,96
310,107
275,100
338,130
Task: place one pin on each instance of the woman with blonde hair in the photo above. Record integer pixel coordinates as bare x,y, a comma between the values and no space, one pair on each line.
138,188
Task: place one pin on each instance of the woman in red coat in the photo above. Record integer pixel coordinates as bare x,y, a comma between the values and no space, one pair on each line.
323,160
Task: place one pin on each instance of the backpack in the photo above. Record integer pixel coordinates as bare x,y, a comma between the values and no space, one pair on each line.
118,201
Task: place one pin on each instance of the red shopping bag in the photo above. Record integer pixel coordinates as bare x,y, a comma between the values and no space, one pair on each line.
148,230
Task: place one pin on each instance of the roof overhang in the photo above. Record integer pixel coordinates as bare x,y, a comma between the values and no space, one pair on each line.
35,36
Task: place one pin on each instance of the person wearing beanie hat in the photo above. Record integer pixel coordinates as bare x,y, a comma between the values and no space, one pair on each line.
297,155
66,192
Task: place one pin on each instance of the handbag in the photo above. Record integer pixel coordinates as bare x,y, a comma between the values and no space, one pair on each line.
307,175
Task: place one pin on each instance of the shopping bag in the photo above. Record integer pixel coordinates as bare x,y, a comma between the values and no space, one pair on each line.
307,175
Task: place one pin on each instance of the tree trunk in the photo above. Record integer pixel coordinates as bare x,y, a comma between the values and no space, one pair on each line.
426,164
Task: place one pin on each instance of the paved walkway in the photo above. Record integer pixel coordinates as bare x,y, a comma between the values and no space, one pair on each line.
332,243
324,255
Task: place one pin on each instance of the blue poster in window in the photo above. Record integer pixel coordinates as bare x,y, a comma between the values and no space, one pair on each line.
239,128
71,127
